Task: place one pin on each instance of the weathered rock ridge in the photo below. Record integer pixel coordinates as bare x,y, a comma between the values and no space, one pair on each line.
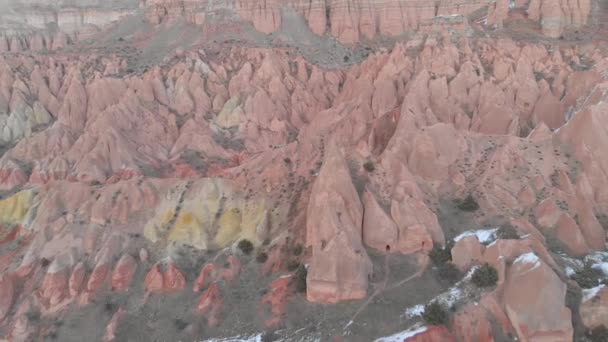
122,190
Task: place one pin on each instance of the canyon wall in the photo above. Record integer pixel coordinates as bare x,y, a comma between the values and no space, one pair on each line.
40,24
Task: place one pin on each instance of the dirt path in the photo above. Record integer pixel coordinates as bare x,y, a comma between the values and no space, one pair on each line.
382,287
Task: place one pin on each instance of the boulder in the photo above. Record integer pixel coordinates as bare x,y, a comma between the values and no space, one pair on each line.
467,252
594,307
538,313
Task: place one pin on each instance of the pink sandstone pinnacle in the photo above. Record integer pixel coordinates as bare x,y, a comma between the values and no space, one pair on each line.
339,265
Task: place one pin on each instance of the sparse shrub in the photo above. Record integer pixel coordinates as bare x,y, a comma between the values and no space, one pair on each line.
292,265
435,314
507,232
44,262
287,160
369,166
245,246
180,324
485,276
298,249
440,255
261,257
468,204
270,336
346,59
599,334
588,277
33,316
300,278
109,307
450,272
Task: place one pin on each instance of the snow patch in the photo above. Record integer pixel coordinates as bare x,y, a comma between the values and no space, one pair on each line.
602,266
528,258
569,271
451,297
483,235
414,311
254,338
400,337
590,293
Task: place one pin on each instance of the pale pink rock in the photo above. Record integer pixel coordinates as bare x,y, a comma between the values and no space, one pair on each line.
96,281
379,230
55,286
472,323
467,252
569,233
112,326
207,274
123,272
173,279
547,213
7,288
232,271
536,312
339,267
210,305
76,279
154,279
594,309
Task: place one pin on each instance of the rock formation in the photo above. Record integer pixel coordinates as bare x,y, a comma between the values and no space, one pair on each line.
232,181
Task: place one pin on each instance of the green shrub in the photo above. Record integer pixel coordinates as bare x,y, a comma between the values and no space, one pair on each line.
369,166
261,257
293,265
485,276
300,278
468,204
435,314
440,255
297,250
33,316
507,232
449,272
245,246
588,277
599,334
180,324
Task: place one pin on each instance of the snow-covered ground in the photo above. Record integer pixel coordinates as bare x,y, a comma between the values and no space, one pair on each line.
254,338
590,293
400,337
483,235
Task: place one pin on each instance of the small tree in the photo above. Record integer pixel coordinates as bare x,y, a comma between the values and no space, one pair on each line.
468,204
485,276
245,246
300,278
588,277
507,232
599,334
440,255
293,265
435,314
369,166
449,272
261,257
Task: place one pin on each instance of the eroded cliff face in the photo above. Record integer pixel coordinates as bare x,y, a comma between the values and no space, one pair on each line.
225,183
114,182
44,25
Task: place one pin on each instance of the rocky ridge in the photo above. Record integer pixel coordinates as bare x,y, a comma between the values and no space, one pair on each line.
125,191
